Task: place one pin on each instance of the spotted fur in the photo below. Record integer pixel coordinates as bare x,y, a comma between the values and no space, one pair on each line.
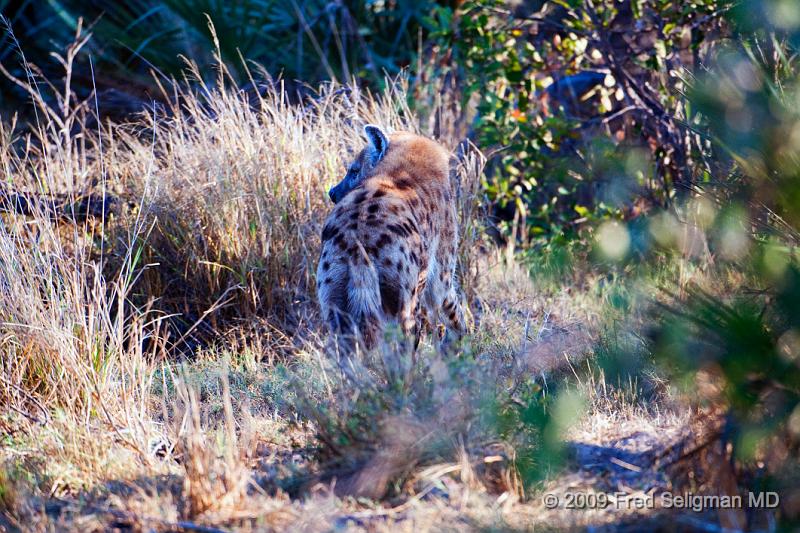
389,246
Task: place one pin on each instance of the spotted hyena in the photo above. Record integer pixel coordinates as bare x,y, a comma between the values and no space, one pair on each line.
389,246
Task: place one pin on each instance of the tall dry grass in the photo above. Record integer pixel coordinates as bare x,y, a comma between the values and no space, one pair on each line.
71,339
218,200
238,191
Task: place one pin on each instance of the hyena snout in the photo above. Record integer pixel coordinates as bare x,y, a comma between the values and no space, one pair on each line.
335,194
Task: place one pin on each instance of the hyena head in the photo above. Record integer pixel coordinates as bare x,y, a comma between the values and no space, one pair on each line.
359,169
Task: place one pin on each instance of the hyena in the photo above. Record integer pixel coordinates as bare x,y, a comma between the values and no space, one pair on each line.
389,246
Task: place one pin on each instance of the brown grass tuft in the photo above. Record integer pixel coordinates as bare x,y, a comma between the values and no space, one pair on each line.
213,485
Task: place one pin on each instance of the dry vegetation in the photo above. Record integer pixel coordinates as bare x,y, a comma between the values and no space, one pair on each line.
162,367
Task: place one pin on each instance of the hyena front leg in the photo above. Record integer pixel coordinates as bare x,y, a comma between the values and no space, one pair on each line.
408,322
423,326
444,306
419,316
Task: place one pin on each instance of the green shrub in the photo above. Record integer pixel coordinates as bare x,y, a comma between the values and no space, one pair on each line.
583,103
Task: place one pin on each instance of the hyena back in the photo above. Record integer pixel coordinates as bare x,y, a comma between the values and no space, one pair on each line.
389,246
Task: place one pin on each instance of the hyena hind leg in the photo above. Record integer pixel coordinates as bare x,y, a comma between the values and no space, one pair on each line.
453,313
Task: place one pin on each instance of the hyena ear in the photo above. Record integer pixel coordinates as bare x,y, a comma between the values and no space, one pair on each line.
377,139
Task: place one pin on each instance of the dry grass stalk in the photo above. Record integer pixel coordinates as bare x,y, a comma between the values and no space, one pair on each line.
212,485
